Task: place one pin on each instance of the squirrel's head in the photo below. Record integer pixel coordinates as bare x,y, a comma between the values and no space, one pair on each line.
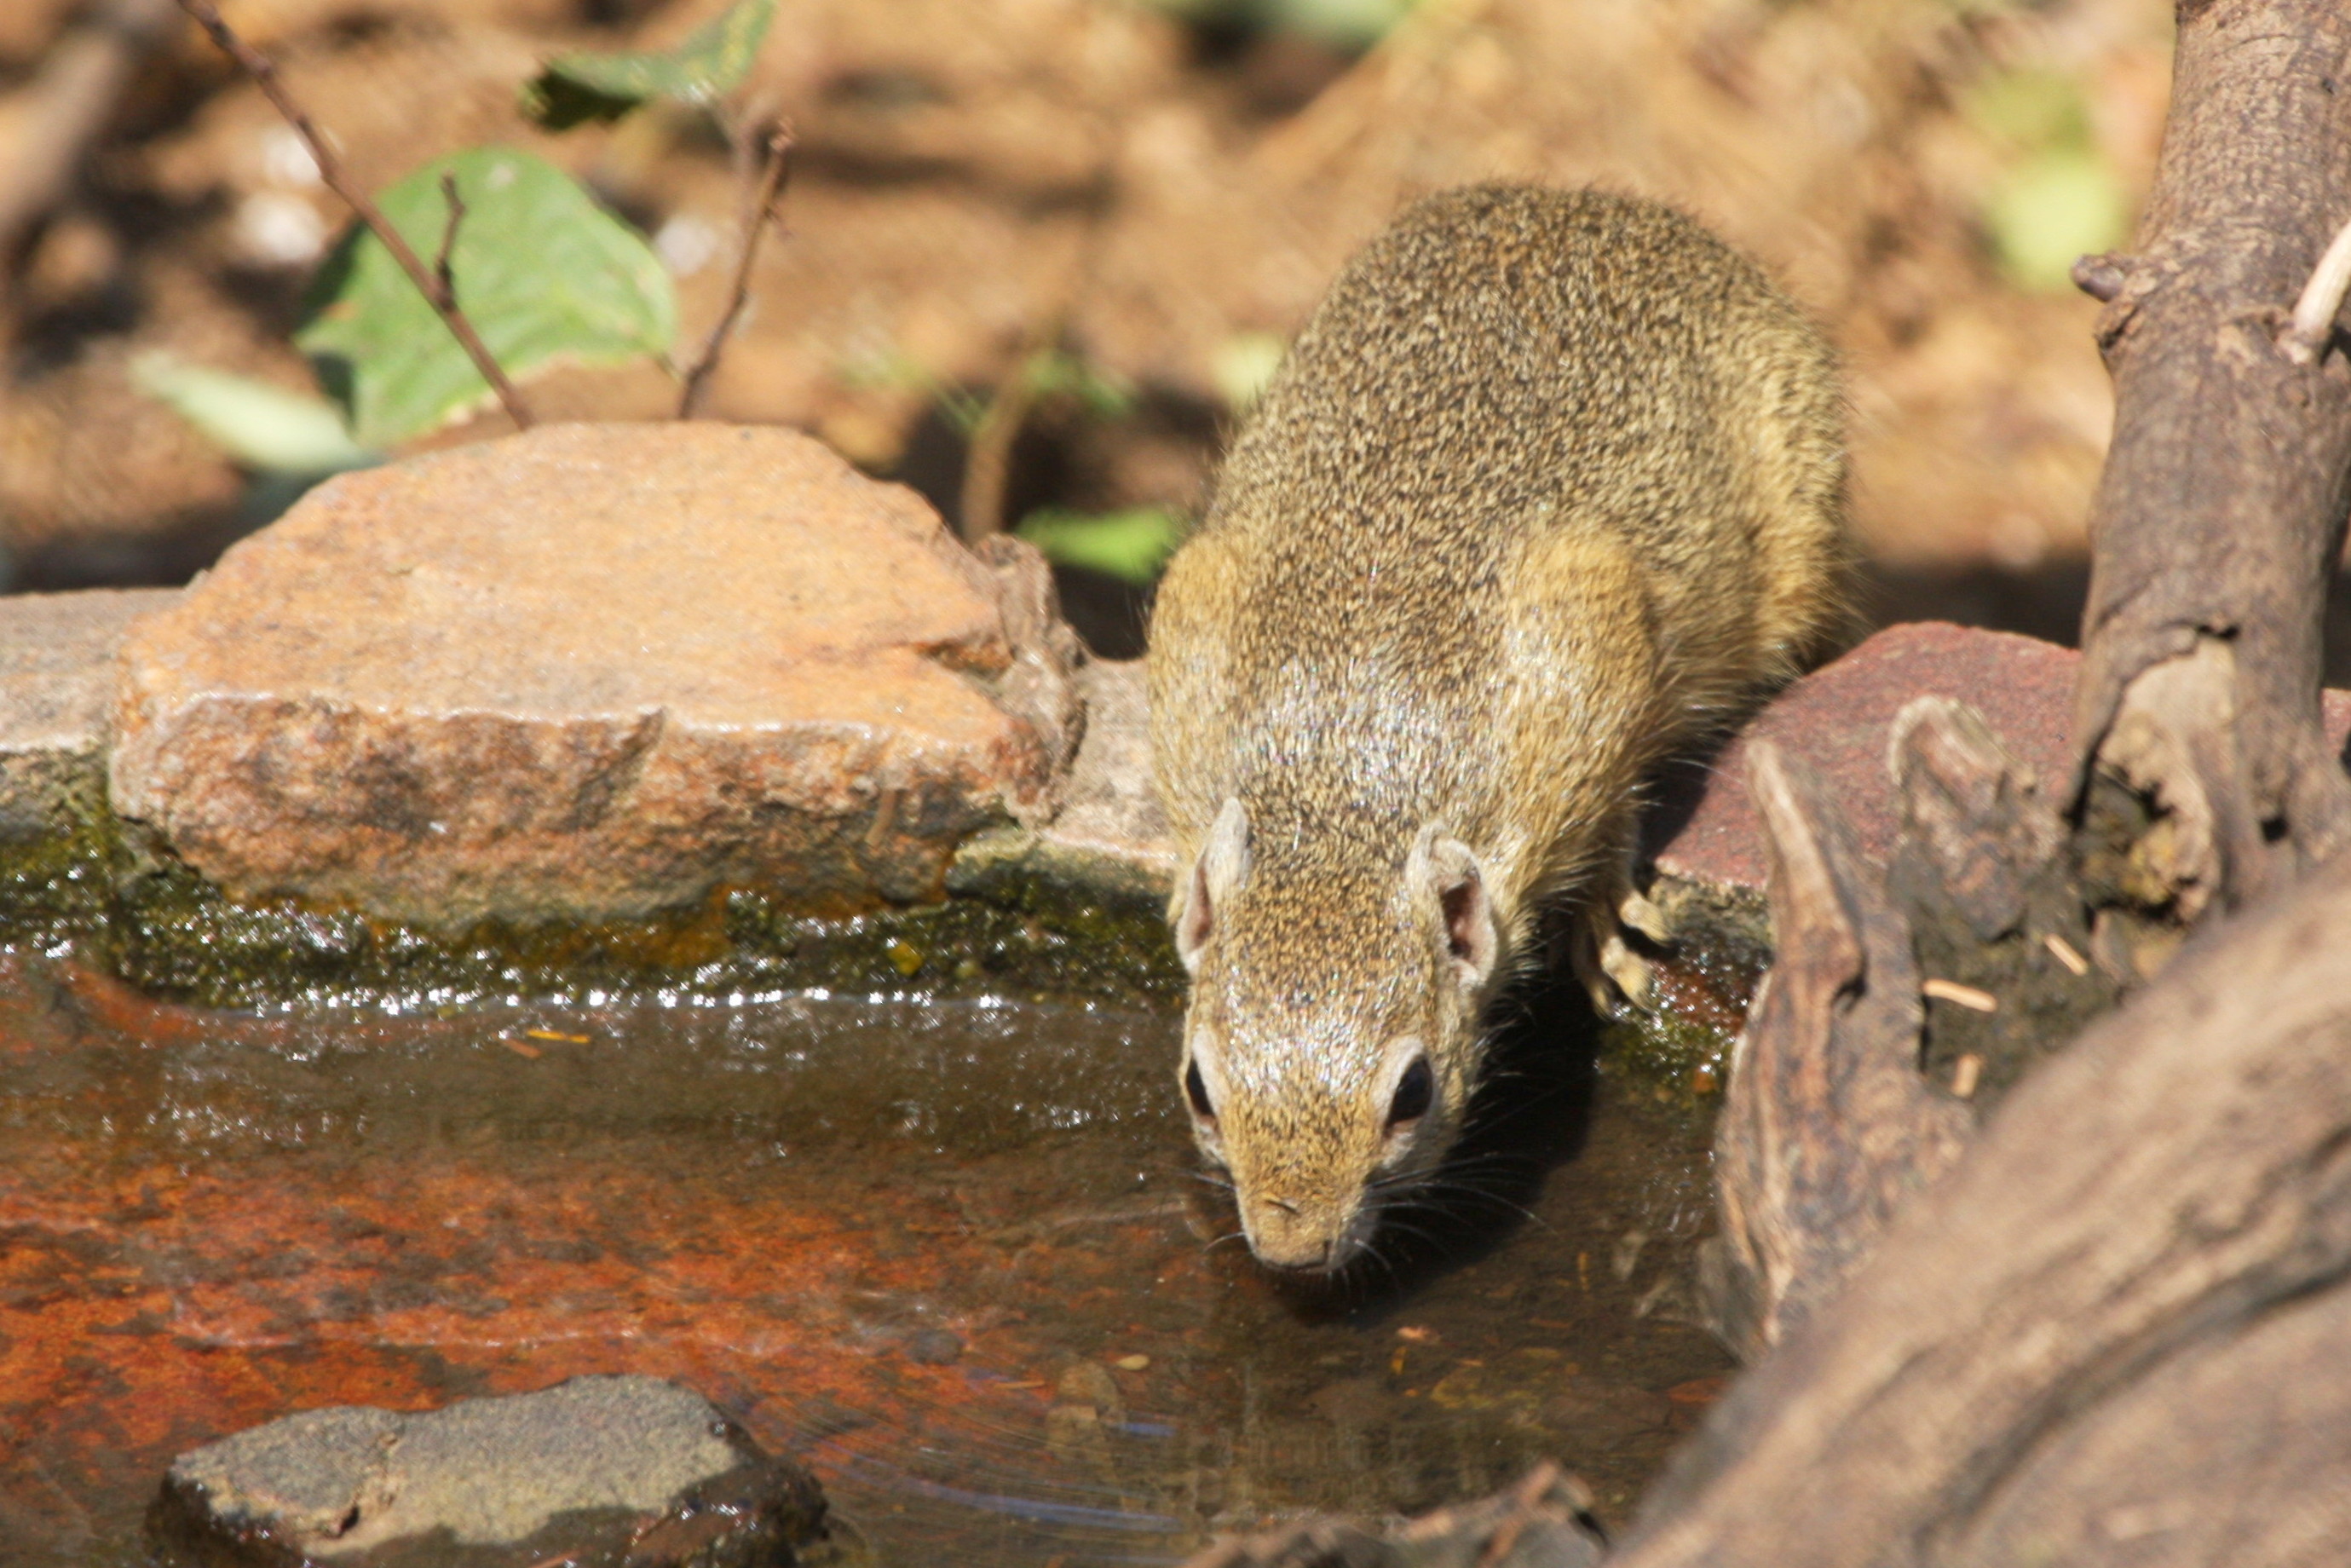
1332,1040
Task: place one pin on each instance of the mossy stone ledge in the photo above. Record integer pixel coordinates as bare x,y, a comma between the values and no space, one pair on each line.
1002,839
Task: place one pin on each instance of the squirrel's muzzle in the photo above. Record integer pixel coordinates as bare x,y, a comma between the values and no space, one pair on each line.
1304,1236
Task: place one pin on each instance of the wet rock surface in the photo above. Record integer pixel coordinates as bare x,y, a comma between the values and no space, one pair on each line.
592,672
618,1468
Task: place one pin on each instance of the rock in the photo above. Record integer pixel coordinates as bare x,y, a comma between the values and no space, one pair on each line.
1838,719
56,688
592,672
608,1468
932,1347
1110,839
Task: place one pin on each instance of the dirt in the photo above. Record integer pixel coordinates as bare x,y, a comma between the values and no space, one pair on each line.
973,182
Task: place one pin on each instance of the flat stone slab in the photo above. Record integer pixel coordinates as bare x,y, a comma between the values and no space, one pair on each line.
1110,840
1838,718
56,697
630,1466
593,672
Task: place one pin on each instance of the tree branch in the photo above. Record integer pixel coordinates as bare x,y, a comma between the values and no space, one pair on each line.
2219,515
775,170
2130,1285
987,461
257,65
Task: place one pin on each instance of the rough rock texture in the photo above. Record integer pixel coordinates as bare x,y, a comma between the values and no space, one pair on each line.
594,671
1110,838
595,1462
1836,721
56,686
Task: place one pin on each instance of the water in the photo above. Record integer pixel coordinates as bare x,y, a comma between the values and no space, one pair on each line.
954,1256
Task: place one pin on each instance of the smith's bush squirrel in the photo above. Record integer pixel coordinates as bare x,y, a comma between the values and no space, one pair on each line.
1550,486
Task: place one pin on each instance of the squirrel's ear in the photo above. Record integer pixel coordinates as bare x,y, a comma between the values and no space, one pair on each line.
1445,872
1223,866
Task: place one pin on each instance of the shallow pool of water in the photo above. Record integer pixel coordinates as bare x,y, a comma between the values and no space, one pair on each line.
954,1256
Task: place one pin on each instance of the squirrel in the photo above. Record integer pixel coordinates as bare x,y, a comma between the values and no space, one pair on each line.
1550,486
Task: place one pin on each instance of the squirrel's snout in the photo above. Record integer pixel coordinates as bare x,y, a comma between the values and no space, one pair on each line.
1308,1237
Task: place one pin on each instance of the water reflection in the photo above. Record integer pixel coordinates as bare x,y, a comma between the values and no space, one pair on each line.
955,1256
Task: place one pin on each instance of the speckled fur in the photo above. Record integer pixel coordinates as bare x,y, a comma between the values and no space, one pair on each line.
1550,486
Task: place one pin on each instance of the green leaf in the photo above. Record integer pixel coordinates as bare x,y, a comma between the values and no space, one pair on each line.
543,273
708,65
2049,211
1340,24
2034,109
262,426
1100,393
1131,544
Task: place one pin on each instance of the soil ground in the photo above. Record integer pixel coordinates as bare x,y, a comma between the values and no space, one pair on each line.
1160,197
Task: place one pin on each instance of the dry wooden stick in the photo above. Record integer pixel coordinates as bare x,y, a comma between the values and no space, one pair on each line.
987,464
2322,299
773,174
988,456
257,65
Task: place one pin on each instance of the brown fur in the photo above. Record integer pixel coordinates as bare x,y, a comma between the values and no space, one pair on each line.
1549,485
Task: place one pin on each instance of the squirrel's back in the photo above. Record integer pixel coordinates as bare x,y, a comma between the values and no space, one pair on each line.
1503,362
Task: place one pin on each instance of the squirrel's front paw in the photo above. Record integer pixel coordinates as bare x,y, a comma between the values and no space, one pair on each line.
1618,978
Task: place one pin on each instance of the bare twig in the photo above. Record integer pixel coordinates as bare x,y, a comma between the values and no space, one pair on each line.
987,456
2322,300
987,461
774,171
257,65
67,105
2101,277
444,275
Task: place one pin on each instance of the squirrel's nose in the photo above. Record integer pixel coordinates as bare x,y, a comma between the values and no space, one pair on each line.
1293,1253
1283,1236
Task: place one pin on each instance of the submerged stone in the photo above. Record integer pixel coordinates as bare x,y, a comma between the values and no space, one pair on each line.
592,672
596,1468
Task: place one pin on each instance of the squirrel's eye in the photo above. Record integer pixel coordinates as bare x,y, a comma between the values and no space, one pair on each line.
1414,1091
1197,1092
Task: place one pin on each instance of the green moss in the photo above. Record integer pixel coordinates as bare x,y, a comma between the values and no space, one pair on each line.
159,924
1020,919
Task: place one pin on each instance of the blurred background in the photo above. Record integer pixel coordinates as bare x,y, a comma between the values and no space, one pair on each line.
1121,206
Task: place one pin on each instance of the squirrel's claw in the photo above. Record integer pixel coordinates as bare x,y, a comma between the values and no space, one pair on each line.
1639,913
1618,979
